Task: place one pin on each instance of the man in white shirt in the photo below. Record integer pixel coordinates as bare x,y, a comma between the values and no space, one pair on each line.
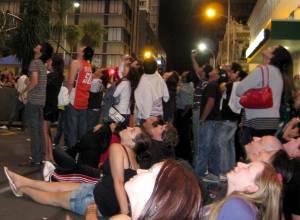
151,92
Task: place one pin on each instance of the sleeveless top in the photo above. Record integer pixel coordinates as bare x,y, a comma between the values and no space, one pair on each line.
104,192
80,92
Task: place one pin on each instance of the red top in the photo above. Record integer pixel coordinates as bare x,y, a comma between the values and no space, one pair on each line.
83,85
114,139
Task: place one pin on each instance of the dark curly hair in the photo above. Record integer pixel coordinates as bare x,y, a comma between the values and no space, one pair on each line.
88,53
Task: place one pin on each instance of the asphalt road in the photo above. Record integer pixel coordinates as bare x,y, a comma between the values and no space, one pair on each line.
14,149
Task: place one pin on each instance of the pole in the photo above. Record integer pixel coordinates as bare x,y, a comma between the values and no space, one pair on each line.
65,36
214,58
228,32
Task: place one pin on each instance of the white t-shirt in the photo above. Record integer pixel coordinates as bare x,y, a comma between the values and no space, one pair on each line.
123,93
21,86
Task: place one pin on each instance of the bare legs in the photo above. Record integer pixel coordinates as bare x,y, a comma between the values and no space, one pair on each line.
55,194
48,142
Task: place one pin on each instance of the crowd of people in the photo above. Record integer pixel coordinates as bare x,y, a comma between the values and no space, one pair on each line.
142,143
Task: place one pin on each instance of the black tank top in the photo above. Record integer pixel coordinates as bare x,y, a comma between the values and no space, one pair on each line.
104,192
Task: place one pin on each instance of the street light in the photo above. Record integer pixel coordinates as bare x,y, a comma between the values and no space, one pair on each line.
147,54
76,4
210,12
202,47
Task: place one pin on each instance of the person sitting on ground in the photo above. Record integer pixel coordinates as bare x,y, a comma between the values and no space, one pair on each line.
253,192
109,193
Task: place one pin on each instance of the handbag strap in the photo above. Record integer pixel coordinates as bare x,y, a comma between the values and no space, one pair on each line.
262,74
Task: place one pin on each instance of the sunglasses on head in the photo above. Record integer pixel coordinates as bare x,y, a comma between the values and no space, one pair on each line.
158,122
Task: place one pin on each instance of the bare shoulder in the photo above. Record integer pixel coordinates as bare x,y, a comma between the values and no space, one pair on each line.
75,64
120,217
115,147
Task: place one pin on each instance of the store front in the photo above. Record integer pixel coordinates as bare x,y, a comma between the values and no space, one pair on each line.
277,32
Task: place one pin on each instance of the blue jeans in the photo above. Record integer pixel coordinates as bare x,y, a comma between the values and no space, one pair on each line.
208,154
62,128
196,126
77,119
226,144
35,124
18,109
81,198
93,116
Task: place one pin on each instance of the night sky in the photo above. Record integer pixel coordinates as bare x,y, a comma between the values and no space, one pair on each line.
182,25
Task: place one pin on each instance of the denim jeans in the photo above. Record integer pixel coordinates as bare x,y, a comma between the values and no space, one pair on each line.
208,153
18,109
93,117
196,126
226,144
35,124
77,119
62,128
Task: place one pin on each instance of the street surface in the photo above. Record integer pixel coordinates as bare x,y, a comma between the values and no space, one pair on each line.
13,149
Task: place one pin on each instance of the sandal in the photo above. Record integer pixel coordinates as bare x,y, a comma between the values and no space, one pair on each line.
11,184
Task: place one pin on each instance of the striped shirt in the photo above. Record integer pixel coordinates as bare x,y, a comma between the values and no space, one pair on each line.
260,123
37,96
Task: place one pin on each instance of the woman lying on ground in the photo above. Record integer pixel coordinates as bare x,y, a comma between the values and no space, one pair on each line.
253,193
163,140
168,190
109,193
286,161
93,150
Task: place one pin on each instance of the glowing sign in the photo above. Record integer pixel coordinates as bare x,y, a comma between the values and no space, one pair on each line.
261,37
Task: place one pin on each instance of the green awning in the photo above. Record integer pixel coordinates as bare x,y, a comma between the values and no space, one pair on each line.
278,32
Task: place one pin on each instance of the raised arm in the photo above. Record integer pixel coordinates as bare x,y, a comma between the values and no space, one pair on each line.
74,68
198,70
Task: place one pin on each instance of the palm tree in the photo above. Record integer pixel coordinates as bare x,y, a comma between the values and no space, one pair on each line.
92,33
61,8
33,30
73,35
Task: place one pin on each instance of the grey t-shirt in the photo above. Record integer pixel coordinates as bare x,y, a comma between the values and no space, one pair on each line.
37,96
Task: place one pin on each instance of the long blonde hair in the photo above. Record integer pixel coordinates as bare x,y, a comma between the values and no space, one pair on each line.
266,201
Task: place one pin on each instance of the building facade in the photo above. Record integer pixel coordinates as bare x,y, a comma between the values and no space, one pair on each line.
274,22
239,42
238,32
130,26
118,17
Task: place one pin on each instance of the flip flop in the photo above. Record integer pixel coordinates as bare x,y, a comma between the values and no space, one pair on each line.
11,184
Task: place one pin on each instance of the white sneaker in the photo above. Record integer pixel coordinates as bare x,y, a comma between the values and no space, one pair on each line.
211,178
4,127
223,178
48,170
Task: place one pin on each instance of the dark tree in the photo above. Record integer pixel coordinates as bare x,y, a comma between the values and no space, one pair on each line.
33,30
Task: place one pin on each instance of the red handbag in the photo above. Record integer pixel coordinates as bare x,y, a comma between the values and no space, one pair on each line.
258,98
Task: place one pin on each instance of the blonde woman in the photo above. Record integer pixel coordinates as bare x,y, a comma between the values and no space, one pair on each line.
253,192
